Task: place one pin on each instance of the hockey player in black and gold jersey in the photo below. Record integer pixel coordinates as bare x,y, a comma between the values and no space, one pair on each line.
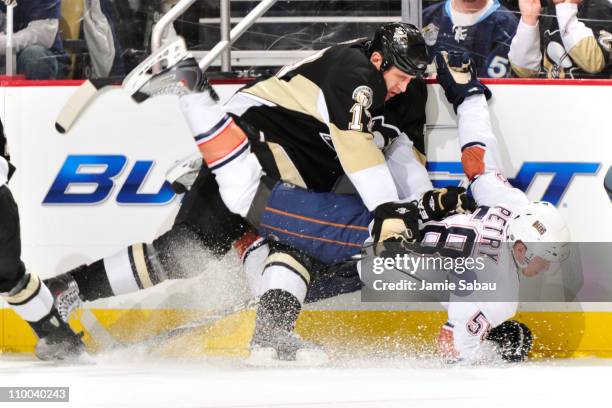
309,125
571,40
312,122
25,293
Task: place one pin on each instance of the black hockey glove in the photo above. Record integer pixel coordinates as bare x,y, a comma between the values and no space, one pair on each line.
513,340
395,223
439,203
457,76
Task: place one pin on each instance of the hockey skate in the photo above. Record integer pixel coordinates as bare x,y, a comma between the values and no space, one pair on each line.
57,341
180,75
65,292
285,348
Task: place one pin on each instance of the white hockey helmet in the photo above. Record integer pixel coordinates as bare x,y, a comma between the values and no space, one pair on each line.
540,227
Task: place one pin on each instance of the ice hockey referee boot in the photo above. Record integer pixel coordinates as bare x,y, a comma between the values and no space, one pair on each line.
274,342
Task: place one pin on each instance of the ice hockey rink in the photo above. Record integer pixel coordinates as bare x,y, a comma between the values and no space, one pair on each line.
126,379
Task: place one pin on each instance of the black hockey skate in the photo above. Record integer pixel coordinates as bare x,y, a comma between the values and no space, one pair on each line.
183,78
57,341
285,348
65,292
274,342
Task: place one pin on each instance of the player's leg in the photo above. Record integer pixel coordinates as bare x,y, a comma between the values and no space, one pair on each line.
282,287
327,226
225,146
27,294
203,222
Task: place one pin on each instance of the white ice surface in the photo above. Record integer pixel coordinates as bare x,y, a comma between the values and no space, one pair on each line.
128,381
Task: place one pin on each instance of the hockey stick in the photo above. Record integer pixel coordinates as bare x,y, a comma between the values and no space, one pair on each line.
80,100
171,54
106,341
93,88
197,324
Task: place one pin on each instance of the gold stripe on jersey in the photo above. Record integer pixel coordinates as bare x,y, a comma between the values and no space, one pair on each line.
141,265
588,55
287,170
282,258
298,94
356,150
419,156
27,292
523,72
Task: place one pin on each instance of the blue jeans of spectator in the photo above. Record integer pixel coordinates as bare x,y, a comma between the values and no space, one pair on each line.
37,62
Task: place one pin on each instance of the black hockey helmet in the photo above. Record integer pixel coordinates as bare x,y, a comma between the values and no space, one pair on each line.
402,46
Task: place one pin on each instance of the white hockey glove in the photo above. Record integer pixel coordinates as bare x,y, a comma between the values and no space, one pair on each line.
184,172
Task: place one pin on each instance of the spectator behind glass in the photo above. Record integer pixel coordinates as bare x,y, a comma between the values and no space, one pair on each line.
560,45
36,40
483,28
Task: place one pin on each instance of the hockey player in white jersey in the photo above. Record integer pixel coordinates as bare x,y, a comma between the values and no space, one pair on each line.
513,234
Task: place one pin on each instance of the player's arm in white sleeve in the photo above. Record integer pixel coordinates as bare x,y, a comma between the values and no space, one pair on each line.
409,174
462,336
480,155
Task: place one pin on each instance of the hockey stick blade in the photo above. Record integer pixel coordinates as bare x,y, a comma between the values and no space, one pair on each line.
91,89
197,324
78,102
107,342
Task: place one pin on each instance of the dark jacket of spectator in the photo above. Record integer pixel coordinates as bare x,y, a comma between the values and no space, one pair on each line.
485,34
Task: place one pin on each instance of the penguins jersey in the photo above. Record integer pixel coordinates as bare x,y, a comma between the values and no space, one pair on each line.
486,35
326,116
575,41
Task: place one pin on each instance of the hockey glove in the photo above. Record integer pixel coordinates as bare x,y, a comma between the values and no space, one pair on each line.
439,203
513,340
395,223
457,76
184,172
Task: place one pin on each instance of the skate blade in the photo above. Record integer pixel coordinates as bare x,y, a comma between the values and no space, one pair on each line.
267,357
82,359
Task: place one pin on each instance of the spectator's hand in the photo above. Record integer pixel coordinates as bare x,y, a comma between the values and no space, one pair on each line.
457,76
530,11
